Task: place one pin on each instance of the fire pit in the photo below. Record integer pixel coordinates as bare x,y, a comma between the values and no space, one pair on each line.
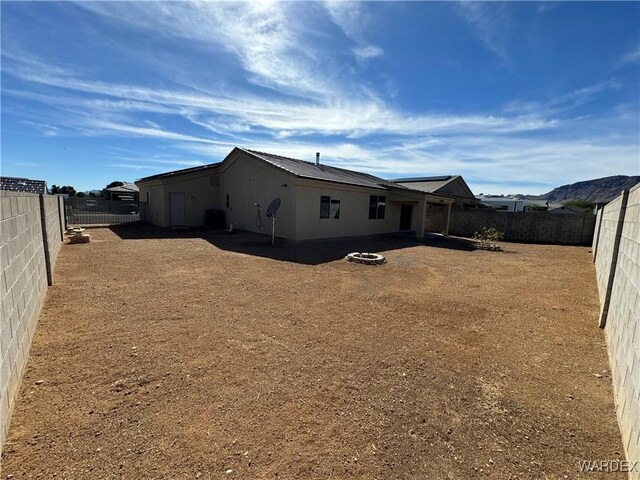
366,258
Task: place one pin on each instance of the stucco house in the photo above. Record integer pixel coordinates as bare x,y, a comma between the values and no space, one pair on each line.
318,201
127,191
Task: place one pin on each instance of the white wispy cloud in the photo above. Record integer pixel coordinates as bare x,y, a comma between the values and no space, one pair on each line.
488,21
162,161
334,116
632,57
109,126
565,102
364,52
272,49
353,20
134,166
47,130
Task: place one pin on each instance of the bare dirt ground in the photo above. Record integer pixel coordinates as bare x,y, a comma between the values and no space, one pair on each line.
220,357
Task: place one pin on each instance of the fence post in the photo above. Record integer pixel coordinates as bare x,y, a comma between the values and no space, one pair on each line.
597,231
614,259
45,240
61,217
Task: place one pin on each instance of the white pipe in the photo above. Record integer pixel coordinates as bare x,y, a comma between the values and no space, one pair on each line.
273,230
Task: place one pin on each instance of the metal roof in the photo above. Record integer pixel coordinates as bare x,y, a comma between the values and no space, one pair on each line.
429,184
437,184
304,169
16,184
126,188
301,169
183,171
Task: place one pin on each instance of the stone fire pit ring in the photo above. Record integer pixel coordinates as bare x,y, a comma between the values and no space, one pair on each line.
366,258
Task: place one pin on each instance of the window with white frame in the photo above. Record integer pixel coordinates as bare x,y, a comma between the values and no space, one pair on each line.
329,207
377,205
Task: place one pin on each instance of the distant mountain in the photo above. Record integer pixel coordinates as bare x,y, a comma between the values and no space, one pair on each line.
598,190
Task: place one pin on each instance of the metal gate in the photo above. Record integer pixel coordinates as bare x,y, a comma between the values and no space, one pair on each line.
96,211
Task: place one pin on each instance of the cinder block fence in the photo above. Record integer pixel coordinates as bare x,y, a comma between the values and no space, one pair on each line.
616,252
535,227
31,233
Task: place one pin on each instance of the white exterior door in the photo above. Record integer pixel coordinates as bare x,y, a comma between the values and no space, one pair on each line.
176,209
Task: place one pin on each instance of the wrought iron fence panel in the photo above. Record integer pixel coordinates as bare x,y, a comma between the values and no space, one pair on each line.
96,211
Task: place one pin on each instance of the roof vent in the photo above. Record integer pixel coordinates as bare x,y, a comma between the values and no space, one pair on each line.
317,158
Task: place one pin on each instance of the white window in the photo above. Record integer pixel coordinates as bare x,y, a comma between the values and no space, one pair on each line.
329,207
377,205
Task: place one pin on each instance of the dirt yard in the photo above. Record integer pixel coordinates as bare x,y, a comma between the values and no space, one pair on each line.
220,357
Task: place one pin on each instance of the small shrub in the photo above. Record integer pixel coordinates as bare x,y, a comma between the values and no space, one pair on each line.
535,207
488,235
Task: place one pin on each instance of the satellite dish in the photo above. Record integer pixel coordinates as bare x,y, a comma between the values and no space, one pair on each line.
273,207
271,212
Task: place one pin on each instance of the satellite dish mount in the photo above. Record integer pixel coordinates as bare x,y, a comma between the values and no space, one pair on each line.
271,212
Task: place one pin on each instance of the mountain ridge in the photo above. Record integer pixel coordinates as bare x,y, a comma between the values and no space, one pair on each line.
598,190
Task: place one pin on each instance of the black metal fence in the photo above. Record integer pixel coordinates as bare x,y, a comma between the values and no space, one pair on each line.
96,211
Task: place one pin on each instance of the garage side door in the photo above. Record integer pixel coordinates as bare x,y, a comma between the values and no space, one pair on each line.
176,209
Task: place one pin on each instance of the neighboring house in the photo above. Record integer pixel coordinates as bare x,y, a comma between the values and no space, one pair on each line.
126,192
15,184
318,201
540,205
503,204
449,185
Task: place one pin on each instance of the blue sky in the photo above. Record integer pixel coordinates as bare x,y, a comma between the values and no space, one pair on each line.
516,97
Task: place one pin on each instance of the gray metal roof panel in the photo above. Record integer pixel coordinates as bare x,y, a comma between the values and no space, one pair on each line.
183,171
18,184
304,169
428,184
126,188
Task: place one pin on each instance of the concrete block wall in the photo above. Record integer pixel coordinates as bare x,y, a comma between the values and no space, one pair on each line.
606,242
23,283
436,218
596,233
535,227
618,276
54,225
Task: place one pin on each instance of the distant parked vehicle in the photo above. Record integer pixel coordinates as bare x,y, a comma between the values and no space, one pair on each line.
91,204
129,209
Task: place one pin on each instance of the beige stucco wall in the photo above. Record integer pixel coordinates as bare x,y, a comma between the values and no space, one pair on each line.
156,202
200,194
354,211
249,181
